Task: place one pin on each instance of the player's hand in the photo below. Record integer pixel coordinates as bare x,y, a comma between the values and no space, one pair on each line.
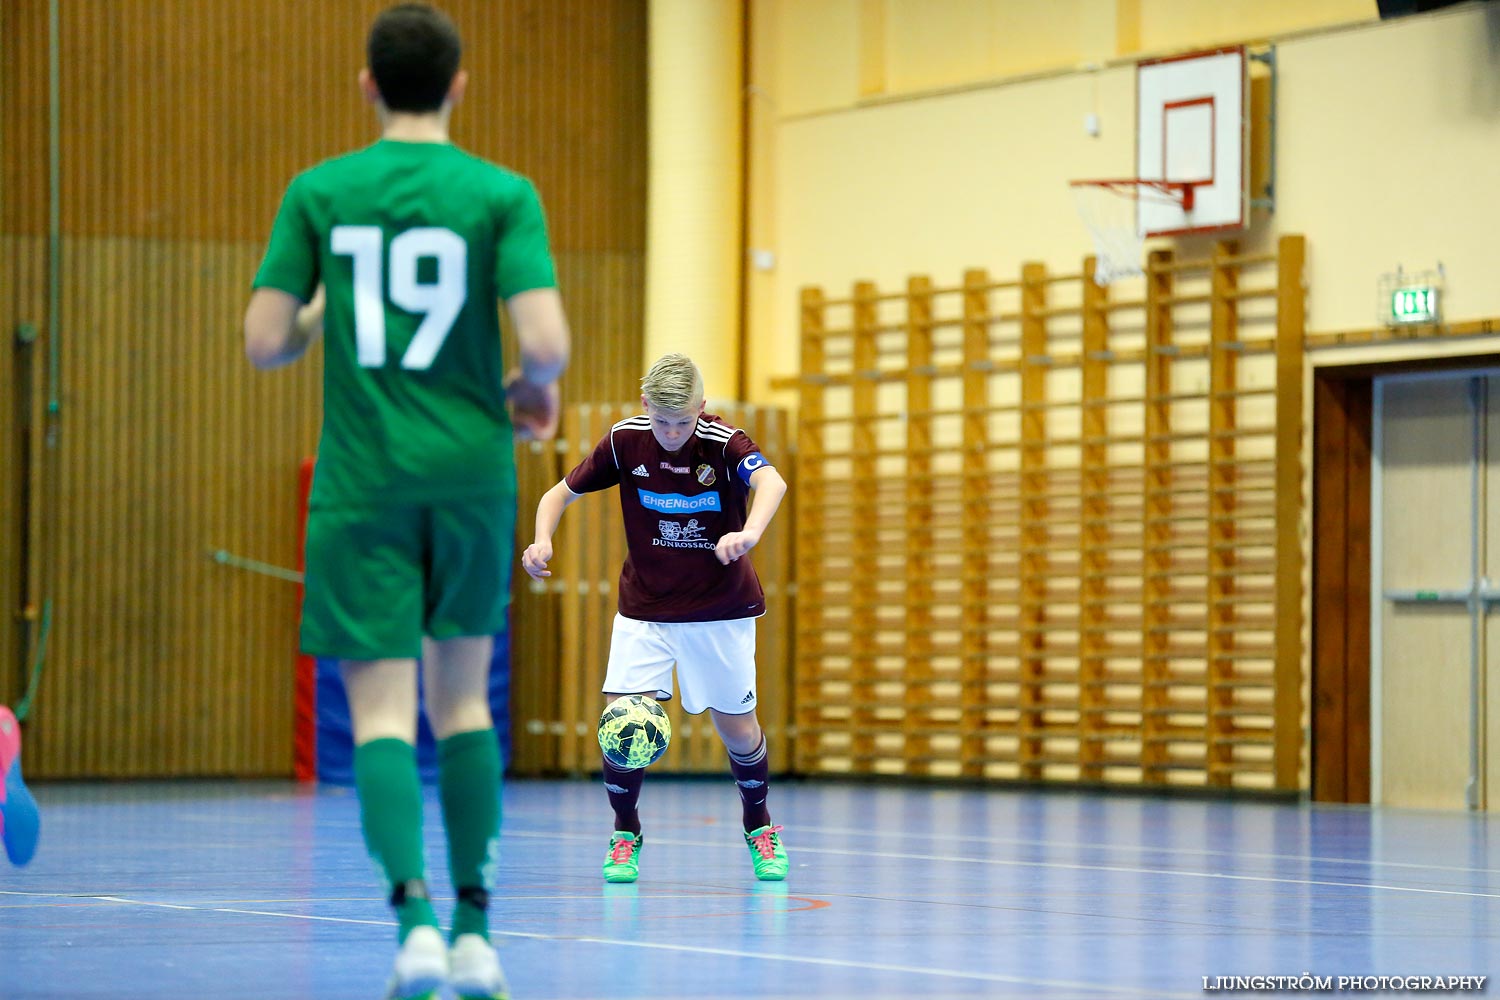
534,409
535,559
734,545
309,318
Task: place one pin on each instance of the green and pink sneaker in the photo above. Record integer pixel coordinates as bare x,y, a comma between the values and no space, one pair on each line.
767,854
623,862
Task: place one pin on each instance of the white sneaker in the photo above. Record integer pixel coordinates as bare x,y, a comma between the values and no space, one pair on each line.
421,965
474,970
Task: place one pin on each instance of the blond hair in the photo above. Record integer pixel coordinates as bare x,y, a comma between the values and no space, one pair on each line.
673,384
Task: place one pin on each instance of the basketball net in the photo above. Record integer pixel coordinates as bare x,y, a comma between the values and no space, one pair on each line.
1108,209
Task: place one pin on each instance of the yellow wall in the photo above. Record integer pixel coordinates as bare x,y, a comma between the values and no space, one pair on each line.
1167,25
835,52
816,50
693,238
1387,135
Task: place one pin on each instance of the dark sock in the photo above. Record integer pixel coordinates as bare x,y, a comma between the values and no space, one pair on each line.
624,788
469,788
390,815
752,773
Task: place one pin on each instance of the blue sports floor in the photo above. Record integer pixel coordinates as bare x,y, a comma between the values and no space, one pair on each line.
149,891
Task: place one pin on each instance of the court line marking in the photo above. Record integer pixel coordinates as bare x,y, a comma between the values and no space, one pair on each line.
1059,865
1055,865
540,834
967,838
1145,849
837,963
809,903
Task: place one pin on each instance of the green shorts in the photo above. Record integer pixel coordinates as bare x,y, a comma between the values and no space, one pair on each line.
380,578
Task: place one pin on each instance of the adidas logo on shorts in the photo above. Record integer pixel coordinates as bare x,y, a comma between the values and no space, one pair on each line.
749,697
640,470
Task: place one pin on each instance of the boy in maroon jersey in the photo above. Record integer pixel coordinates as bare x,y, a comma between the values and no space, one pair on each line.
686,595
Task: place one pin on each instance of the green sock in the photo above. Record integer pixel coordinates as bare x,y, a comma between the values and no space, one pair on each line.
390,814
469,786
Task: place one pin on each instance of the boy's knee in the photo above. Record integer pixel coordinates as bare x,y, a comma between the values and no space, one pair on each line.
740,733
463,716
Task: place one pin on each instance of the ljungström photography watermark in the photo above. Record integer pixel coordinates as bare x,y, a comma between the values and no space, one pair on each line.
1309,983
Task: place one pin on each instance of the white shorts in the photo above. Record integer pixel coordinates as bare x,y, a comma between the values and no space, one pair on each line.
715,662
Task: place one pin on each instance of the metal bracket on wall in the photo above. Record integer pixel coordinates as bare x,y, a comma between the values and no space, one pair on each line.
224,558
1267,199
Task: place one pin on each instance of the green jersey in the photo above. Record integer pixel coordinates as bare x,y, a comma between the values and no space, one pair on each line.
415,244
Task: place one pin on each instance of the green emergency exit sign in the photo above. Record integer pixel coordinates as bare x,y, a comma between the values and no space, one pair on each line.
1414,304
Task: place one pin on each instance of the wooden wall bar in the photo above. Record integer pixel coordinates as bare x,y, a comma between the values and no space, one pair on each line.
1125,594
1097,617
181,125
822,696
924,673
1157,512
860,534
1040,566
1291,344
978,517
1218,622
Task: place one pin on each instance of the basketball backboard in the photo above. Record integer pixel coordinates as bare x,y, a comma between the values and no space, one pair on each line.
1191,115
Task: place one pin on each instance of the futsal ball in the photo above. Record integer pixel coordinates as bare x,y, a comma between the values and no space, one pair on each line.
634,732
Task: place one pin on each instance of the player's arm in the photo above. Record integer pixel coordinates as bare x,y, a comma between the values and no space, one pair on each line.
549,511
525,277
279,327
769,488
542,334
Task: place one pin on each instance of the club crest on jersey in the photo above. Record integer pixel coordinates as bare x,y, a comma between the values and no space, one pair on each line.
705,475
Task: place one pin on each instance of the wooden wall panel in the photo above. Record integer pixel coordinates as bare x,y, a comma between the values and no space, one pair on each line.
162,661
21,407
23,118
181,124
166,104
557,91
23,206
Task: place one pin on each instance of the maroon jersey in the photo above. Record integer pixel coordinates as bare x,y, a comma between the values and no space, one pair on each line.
676,506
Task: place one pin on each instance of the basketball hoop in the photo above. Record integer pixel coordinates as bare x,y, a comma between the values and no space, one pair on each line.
1108,209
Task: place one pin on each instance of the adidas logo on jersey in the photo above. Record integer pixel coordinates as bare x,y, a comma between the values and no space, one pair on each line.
640,470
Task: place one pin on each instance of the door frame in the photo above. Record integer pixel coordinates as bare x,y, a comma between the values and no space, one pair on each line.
1342,460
